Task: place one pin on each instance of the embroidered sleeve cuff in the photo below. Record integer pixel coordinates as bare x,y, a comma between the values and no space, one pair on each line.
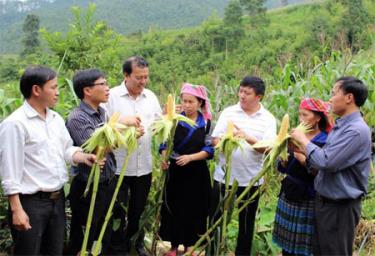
162,147
210,150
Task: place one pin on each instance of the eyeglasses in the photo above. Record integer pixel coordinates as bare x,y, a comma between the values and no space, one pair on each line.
104,83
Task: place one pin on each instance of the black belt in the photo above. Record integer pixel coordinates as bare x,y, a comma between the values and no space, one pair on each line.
337,201
54,195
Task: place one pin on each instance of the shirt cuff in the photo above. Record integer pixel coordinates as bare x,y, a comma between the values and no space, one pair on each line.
69,154
310,147
11,187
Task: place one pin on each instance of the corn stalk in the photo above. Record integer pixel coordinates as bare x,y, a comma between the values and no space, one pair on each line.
276,148
164,131
107,138
227,145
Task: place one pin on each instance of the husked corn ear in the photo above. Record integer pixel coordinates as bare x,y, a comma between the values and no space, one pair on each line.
284,127
114,118
170,107
230,128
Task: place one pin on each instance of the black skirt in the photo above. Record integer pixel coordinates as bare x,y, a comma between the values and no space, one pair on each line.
186,201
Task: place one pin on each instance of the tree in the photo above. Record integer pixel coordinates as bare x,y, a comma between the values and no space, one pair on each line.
256,11
88,43
233,27
31,34
353,23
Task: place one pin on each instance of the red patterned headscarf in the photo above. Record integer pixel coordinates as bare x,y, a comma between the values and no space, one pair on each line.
318,106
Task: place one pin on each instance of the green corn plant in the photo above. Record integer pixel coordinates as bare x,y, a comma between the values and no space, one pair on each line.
130,143
164,130
276,148
227,145
102,140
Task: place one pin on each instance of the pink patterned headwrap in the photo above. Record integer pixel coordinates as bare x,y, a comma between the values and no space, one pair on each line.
318,106
200,92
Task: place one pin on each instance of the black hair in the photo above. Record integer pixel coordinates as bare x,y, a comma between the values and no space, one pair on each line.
127,67
254,82
35,75
349,84
85,78
323,122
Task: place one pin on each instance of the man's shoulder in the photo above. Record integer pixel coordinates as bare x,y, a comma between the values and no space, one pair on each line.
359,126
76,113
230,109
17,115
115,90
148,92
268,115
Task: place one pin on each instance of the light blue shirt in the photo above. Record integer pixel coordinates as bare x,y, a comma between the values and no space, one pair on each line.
344,161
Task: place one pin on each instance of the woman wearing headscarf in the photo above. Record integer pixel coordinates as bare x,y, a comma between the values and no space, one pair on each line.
186,199
294,220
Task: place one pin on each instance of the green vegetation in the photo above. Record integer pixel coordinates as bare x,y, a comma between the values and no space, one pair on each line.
299,51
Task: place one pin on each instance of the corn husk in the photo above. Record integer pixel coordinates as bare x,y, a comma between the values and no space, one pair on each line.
110,136
163,130
162,127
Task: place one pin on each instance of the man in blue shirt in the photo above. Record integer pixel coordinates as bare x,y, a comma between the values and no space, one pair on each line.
343,166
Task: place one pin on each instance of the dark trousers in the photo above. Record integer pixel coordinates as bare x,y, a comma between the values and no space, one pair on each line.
133,194
47,220
246,218
80,206
335,226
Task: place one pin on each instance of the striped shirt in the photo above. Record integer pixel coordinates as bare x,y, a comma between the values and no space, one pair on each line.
81,123
246,163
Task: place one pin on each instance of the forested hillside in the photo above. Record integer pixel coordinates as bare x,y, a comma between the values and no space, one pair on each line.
124,16
298,50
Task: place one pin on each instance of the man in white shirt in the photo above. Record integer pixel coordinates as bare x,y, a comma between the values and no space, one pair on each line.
253,123
138,106
34,148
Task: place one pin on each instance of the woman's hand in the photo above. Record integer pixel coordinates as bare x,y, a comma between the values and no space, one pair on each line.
300,158
184,160
164,165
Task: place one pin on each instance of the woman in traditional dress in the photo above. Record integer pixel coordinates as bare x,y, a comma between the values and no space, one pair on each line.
186,199
294,220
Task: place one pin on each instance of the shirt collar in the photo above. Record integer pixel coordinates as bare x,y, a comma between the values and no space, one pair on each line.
343,120
32,113
89,110
124,90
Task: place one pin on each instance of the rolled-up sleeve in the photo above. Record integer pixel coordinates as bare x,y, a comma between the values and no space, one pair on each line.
336,155
69,149
12,154
221,126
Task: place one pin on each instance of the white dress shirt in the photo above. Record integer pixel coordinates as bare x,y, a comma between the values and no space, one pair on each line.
246,163
33,151
147,106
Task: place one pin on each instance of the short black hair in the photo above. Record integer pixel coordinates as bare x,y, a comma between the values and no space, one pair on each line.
254,82
138,61
350,84
85,78
35,75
